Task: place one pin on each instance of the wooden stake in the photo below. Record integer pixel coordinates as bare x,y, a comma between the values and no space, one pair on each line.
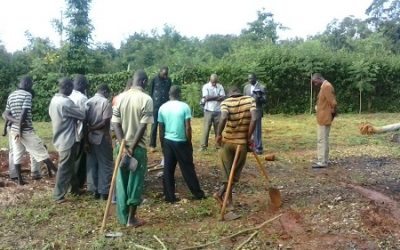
112,186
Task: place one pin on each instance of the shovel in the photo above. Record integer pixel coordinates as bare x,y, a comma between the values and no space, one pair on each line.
274,193
230,215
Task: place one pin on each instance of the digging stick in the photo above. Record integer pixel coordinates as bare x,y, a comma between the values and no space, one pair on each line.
112,186
230,181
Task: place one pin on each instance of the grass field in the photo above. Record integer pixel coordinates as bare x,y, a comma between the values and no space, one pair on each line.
321,209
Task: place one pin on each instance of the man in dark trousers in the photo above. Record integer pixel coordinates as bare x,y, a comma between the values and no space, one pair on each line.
78,96
22,134
159,89
99,155
176,141
64,114
256,90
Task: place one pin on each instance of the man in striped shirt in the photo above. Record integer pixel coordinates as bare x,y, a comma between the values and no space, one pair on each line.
236,128
24,138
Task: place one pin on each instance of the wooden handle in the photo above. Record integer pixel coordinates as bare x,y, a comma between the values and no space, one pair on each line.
263,170
112,185
230,180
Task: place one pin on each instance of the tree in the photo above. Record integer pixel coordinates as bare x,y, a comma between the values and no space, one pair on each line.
364,74
384,16
263,28
78,32
341,34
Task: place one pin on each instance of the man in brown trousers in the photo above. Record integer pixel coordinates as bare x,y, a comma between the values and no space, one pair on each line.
326,112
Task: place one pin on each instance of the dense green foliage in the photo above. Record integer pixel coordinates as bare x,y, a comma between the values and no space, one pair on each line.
360,57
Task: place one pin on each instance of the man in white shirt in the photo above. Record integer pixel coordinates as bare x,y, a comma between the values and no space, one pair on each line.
213,94
79,98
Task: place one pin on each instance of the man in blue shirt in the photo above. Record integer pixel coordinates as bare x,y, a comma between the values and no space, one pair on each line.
176,141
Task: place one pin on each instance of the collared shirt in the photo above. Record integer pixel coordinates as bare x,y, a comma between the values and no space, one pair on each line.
249,89
160,90
98,109
239,118
134,108
64,114
17,101
80,100
212,91
174,114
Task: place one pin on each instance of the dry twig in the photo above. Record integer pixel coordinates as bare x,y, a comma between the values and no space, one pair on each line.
235,234
248,240
162,243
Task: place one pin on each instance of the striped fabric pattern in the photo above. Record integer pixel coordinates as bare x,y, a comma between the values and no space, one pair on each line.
239,117
16,102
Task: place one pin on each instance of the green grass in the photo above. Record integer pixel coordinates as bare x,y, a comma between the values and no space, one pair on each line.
35,222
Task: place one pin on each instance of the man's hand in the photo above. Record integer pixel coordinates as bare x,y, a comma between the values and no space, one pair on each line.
17,137
86,147
250,144
218,140
128,151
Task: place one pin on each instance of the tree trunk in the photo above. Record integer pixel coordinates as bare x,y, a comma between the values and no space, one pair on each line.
360,101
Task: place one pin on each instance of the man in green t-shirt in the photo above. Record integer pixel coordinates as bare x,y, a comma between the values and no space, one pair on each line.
130,117
176,141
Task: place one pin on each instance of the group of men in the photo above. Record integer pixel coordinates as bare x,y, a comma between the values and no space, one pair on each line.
83,125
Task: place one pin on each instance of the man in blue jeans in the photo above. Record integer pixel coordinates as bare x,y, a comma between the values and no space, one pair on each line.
176,141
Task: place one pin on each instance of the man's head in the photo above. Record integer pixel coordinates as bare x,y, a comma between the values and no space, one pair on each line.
140,79
80,83
164,72
234,91
317,79
214,79
26,83
174,93
252,78
104,90
65,86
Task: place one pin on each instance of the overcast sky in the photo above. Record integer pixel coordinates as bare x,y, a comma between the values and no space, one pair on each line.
115,20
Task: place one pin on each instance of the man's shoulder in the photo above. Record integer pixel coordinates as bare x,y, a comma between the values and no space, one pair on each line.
20,92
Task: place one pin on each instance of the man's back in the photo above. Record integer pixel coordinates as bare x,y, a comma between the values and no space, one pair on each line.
64,113
174,114
135,107
16,102
98,109
239,118
159,90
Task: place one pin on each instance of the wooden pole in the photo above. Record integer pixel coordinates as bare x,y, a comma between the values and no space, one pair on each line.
230,181
311,95
112,186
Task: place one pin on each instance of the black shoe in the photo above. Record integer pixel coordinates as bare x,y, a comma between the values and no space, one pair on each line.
316,165
202,197
173,200
36,177
96,195
104,197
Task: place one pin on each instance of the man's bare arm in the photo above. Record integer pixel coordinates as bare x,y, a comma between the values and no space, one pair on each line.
8,117
139,135
161,131
118,131
188,130
100,125
252,126
221,126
